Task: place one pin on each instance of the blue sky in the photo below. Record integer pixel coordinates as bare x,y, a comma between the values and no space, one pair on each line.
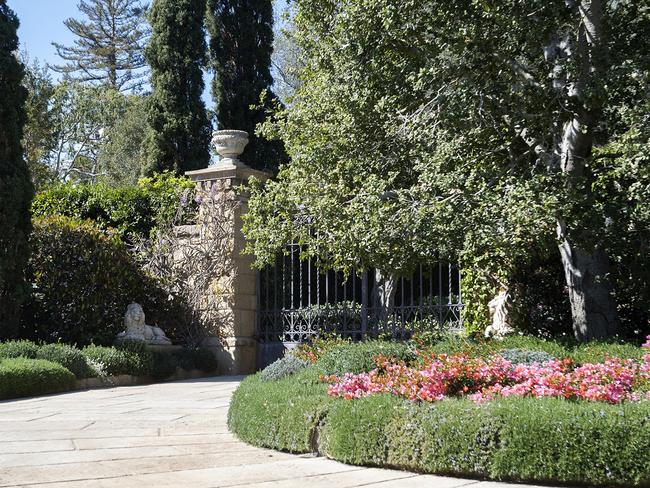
41,23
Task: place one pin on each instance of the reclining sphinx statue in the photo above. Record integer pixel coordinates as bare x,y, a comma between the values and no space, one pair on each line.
137,330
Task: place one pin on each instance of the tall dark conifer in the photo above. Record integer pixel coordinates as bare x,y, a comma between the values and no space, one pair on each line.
15,186
241,44
180,130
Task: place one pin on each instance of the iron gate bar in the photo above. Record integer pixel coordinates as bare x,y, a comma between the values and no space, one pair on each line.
301,315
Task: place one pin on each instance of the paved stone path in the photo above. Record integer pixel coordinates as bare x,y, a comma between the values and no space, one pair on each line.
164,435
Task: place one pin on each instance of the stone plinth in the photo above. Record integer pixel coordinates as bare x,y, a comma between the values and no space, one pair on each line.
236,349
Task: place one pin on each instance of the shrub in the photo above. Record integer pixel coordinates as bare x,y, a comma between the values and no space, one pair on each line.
318,346
164,364
520,439
83,280
197,358
519,356
547,440
360,357
24,377
17,349
132,211
283,367
280,414
128,359
67,356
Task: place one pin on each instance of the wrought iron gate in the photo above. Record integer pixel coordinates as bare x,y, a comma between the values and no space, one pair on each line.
297,301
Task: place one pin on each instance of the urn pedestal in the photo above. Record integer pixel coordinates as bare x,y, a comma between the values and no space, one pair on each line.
236,350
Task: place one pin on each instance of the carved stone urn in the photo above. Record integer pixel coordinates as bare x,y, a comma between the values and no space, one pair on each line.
230,144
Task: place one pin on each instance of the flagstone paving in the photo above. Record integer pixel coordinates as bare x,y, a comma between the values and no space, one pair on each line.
163,435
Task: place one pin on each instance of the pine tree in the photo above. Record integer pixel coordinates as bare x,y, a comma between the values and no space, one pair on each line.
180,130
15,186
109,45
241,44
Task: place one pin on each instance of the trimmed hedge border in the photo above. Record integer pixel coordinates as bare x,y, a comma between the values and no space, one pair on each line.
20,377
518,439
29,369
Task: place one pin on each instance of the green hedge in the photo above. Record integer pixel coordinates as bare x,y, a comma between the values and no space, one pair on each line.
21,377
279,414
67,356
18,349
112,361
528,440
132,211
83,279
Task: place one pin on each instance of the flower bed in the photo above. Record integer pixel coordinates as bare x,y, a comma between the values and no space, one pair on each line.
455,414
441,376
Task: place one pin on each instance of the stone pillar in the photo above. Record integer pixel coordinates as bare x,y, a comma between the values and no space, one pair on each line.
236,350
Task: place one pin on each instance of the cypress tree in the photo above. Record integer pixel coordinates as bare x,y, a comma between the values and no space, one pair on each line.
241,44
180,130
15,187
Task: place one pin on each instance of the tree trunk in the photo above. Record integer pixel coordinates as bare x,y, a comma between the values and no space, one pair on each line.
383,296
593,309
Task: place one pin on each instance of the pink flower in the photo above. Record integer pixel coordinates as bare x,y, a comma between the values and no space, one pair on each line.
440,376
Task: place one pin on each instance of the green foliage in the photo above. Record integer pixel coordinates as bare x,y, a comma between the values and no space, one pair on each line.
80,112
241,43
83,280
425,127
108,45
21,377
283,367
40,135
15,186
133,211
122,157
180,130
449,437
477,290
546,440
597,352
67,356
164,364
197,358
519,356
18,348
133,358
520,439
318,347
126,359
360,357
518,347
280,414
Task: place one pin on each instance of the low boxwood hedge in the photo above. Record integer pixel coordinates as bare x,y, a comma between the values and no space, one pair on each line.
21,377
112,361
281,414
67,356
518,439
18,349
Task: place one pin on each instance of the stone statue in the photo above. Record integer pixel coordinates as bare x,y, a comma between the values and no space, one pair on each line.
137,330
499,308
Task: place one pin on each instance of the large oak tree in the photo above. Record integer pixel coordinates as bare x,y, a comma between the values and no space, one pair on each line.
488,131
